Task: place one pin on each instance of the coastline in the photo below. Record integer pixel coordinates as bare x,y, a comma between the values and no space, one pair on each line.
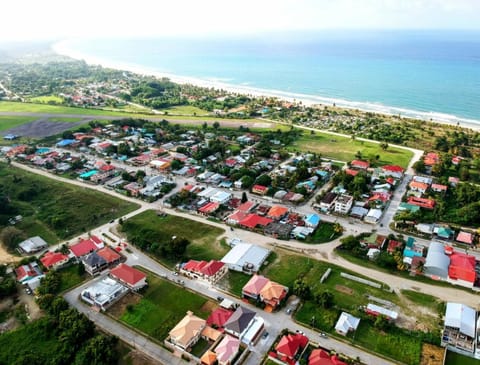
62,48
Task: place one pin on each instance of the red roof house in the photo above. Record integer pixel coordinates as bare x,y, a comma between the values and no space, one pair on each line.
130,276
462,267
393,246
110,255
259,189
465,237
393,170
431,159
246,207
210,271
351,172
277,212
359,164
209,208
321,357
53,259
289,345
421,202
254,286
439,188
253,220
83,247
218,317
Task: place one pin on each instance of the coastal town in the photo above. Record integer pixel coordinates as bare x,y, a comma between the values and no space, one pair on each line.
229,237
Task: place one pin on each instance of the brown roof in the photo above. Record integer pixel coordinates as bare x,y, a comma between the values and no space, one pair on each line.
189,327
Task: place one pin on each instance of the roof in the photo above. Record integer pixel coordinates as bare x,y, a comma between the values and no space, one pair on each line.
255,284
127,274
52,258
462,317
290,344
436,262
245,207
462,267
253,220
393,168
246,253
93,259
465,237
273,291
211,333
421,202
219,316
209,207
360,164
83,247
373,308
108,254
227,348
33,244
312,219
277,211
347,322
189,327
27,271
418,185
203,267
209,358
259,188
240,319
329,198
351,172
237,216
439,187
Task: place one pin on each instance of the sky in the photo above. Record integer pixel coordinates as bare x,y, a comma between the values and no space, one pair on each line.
59,19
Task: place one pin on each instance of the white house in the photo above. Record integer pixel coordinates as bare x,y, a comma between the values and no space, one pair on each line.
343,204
346,323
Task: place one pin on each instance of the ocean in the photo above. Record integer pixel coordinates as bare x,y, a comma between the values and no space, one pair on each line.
424,74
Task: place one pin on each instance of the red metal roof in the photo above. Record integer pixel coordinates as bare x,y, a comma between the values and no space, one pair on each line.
127,274
245,207
253,220
209,207
393,168
83,247
290,344
462,267
108,254
219,316
360,164
51,258
421,202
259,188
351,172
465,237
204,267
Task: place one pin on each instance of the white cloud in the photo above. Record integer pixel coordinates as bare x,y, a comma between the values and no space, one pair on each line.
33,19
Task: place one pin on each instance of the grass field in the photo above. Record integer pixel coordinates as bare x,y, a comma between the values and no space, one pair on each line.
422,299
47,99
324,233
69,120
204,239
456,359
7,122
53,209
162,306
69,277
185,110
344,149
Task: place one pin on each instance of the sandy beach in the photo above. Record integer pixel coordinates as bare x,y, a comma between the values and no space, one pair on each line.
62,48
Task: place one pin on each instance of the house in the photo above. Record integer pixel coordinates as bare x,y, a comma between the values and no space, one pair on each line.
358,212
85,246
453,181
208,358
133,188
109,255
359,164
418,186
236,217
328,202
262,289
436,262
373,216
94,264
239,321
394,171
459,332
439,188
343,204
462,269
465,237
54,260
412,249
226,350
290,346
393,246
134,279
259,189
209,208
218,317
253,287
221,197
103,293
277,212
375,240
247,206
431,158
312,220
32,245
210,271
187,332
443,232
421,202
251,221
279,230
28,272
245,257
321,357
346,323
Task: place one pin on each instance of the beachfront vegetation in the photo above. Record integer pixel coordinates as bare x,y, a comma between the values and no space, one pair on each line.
52,209
172,239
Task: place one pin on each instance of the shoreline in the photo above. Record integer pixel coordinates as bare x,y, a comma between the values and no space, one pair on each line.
62,48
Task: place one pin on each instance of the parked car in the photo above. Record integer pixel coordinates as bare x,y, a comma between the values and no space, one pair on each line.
289,310
265,335
219,298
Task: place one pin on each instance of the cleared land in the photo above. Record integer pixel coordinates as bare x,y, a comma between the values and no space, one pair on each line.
344,149
457,359
43,128
53,209
8,122
204,239
161,307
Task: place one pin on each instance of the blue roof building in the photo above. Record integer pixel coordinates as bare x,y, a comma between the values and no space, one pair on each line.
312,220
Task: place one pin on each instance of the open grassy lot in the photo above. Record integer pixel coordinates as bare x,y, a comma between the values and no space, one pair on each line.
69,277
456,359
7,122
52,208
324,233
204,239
47,99
344,149
421,299
185,110
69,120
162,306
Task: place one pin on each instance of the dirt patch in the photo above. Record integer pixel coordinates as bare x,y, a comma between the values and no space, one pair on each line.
120,307
432,355
7,258
344,289
138,358
209,306
42,128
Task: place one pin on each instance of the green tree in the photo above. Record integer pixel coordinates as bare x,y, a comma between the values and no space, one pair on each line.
301,289
99,350
11,237
216,125
325,299
244,197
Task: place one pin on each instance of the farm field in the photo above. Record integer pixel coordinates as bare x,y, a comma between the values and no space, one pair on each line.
344,149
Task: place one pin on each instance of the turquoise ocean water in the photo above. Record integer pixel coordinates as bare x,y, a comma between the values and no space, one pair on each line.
421,74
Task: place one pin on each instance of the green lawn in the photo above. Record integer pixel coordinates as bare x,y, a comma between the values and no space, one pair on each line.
54,209
236,281
7,122
163,305
69,120
69,277
344,149
204,243
324,233
47,99
422,299
456,359
185,110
